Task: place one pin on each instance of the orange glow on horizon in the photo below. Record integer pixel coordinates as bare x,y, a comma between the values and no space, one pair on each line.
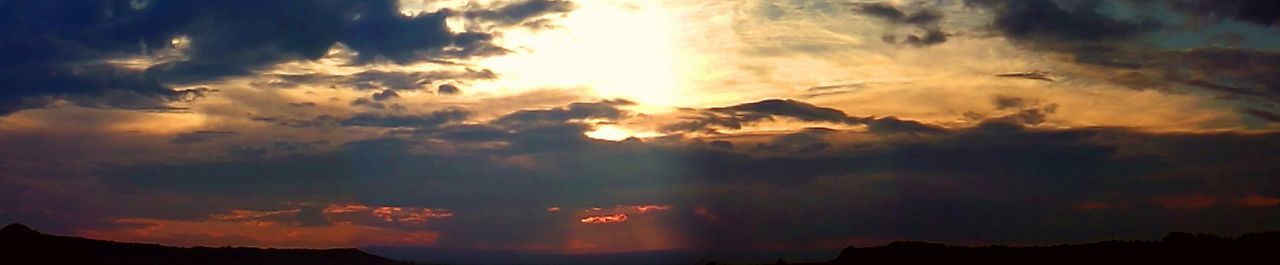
1258,201
271,234
1186,202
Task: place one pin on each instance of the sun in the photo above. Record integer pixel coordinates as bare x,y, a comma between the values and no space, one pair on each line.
610,132
611,49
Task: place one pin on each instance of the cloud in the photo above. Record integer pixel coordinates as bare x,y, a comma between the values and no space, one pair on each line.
926,20
1264,115
737,116
893,125
1260,12
891,13
187,42
606,109
1049,21
433,119
384,95
199,136
448,89
1028,112
1032,75
379,79
979,182
1229,70
522,12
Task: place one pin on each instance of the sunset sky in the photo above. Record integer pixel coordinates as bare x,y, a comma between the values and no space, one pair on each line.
609,126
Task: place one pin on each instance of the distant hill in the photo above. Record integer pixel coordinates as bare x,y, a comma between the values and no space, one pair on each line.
1175,248
20,244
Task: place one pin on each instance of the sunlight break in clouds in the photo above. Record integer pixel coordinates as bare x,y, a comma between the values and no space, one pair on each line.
558,128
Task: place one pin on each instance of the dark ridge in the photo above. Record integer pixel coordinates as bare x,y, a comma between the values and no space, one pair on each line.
18,229
1175,248
23,245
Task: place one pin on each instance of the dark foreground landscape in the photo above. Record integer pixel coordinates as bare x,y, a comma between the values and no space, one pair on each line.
23,245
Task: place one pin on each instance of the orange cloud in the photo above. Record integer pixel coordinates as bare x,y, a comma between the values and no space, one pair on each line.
604,219
1258,201
397,214
258,218
703,212
1186,201
409,215
1092,206
349,208
214,232
650,207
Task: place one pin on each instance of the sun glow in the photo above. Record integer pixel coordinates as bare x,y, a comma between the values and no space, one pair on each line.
615,50
610,133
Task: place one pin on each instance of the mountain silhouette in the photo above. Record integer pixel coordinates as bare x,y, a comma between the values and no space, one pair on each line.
1175,248
20,244
16,229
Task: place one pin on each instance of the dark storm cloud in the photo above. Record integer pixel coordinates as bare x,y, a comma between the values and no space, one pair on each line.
607,109
1260,12
448,89
734,117
926,20
993,183
384,95
1093,33
1050,21
1232,72
1229,70
786,108
990,185
1029,111
930,37
1264,115
377,79
432,119
808,141
891,13
318,121
199,136
1031,75
1086,29
369,103
522,12
737,116
56,49
417,80
894,125
883,10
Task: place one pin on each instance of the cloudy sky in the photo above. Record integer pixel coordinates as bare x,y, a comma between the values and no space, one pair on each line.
607,126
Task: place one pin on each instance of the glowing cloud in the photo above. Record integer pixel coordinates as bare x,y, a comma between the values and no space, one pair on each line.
604,219
409,215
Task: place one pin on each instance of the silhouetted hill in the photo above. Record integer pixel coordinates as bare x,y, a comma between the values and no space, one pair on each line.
1175,248
20,244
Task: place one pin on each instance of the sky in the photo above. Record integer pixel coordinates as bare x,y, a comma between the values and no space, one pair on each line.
610,126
